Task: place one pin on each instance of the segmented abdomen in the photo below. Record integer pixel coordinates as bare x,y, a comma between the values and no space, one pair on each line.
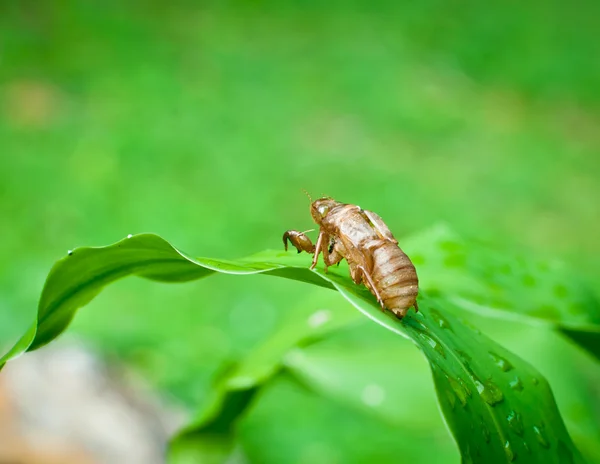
394,275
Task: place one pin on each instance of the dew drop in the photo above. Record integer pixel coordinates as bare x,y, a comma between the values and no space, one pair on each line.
464,356
439,319
540,437
465,387
489,392
479,386
515,423
70,252
485,431
526,446
129,236
437,346
509,452
501,362
451,399
516,384
535,381
458,390
466,456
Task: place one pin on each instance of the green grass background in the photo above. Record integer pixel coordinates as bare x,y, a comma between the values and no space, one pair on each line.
203,122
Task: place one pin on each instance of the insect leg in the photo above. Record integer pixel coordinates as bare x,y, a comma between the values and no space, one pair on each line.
366,276
355,274
320,247
299,240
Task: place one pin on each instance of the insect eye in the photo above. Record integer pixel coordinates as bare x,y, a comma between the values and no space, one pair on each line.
323,210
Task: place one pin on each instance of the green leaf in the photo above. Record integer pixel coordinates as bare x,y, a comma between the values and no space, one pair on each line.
492,282
496,405
317,429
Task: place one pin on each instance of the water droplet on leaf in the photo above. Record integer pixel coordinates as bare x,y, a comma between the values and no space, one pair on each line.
509,452
535,381
501,362
465,387
466,456
129,236
430,340
437,346
540,437
439,319
451,398
516,384
485,431
458,390
464,356
489,392
70,252
515,423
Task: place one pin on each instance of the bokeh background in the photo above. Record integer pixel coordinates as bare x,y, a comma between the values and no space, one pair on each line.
203,122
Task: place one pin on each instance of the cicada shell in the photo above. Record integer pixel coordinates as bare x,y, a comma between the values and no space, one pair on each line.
365,241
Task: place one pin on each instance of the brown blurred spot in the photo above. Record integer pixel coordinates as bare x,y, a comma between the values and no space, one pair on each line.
64,405
30,103
15,448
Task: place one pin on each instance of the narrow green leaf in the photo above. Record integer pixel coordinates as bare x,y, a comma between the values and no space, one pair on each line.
495,404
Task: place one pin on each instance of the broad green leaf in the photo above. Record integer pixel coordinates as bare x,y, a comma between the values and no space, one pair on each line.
489,281
570,371
290,423
496,405
198,441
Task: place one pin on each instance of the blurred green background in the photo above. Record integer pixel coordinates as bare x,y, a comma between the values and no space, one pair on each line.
203,122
